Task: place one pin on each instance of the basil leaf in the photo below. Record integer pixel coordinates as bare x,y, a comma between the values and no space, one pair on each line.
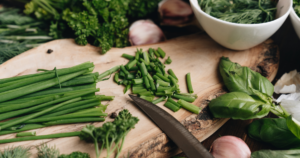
238,105
241,79
293,125
295,153
273,131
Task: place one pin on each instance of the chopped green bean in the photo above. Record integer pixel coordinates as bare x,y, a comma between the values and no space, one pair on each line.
151,54
109,72
156,77
136,91
148,93
168,61
131,64
161,99
152,85
162,77
156,53
122,74
26,134
138,81
162,83
158,70
146,82
116,78
162,89
186,98
143,69
127,88
130,76
148,98
189,83
146,58
127,56
174,83
123,69
190,107
174,102
137,55
171,106
138,85
171,72
134,68
161,52
160,93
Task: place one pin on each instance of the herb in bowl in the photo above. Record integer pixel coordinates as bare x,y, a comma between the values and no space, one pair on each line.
240,11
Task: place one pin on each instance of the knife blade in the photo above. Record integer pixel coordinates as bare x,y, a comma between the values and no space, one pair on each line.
173,128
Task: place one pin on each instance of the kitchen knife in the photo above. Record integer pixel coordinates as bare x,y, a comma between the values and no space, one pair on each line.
173,129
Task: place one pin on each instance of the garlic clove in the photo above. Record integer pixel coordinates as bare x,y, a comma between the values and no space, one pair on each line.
145,32
288,83
175,12
230,147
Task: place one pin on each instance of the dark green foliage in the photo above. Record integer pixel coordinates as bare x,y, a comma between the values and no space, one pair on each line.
273,131
240,11
76,154
296,4
17,152
294,153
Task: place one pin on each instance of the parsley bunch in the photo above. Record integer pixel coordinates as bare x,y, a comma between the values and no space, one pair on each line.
111,135
101,22
240,11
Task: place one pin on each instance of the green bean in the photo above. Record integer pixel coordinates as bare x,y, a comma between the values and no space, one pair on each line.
161,99
168,61
146,58
186,98
147,93
162,89
143,69
105,97
174,102
162,77
136,91
146,82
116,78
189,83
138,81
137,56
152,85
50,136
109,72
138,85
156,77
171,72
127,56
130,76
26,134
190,107
174,83
131,64
161,52
127,88
171,106
76,120
158,70
162,83
123,69
156,53
25,128
134,68
160,93
148,98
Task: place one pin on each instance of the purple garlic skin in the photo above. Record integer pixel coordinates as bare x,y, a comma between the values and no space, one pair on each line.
145,32
175,12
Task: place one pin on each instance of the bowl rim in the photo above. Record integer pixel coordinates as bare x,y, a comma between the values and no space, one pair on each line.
196,5
294,14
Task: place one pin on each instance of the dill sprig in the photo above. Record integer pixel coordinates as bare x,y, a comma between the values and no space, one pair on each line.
240,11
17,152
44,151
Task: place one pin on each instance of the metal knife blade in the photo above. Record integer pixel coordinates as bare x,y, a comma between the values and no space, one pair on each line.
174,129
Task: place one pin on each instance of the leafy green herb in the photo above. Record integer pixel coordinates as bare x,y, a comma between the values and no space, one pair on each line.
17,152
240,11
75,155
44,151
296,4
238,105
273,131
294,153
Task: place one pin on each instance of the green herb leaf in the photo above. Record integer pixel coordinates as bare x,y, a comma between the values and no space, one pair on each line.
238,105
242,79
273,131
293,125
276,154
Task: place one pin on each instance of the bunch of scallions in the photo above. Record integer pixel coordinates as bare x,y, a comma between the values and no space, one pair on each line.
240,11
51,97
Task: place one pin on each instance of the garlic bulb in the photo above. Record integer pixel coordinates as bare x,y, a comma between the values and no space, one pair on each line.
175,12
145,32
288,83
230,147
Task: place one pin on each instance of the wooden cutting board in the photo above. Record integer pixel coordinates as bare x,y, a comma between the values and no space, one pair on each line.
197,54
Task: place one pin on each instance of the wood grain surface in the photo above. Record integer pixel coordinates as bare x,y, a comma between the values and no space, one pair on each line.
197,54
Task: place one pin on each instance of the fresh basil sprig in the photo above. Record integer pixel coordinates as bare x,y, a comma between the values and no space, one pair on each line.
251,96
239,105
273,131
295,153
238,78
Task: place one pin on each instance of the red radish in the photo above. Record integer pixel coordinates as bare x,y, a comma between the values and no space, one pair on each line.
230,147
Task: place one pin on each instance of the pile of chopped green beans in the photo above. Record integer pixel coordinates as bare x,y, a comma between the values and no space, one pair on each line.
146,76
51,97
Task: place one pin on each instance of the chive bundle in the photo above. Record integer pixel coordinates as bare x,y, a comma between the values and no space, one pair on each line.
52,97
145,74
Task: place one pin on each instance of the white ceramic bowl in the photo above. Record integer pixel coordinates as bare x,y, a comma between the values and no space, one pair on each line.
241,36
295,21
